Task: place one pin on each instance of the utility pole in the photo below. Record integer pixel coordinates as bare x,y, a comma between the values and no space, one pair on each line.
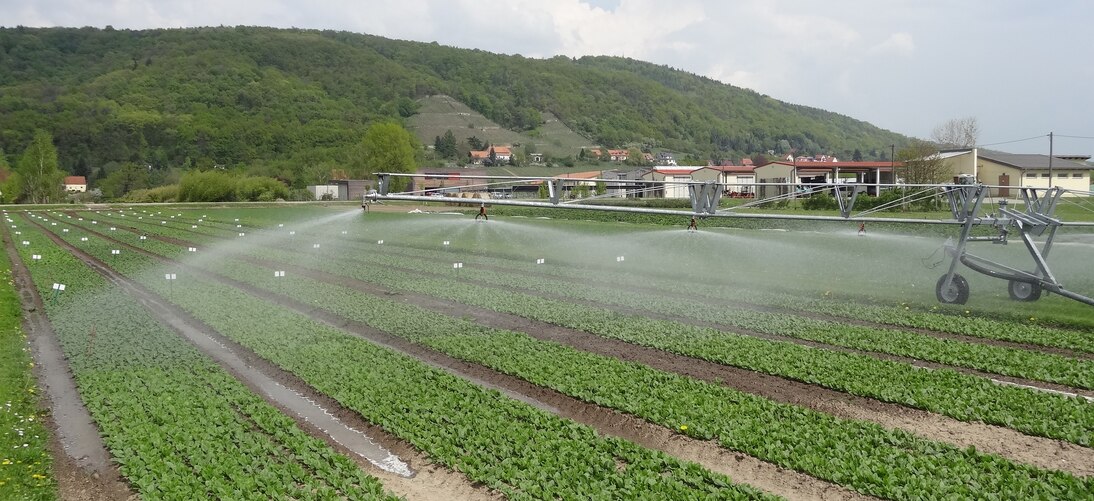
1049,159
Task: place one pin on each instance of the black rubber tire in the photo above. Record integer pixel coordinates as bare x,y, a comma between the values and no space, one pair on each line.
1024,291
958,293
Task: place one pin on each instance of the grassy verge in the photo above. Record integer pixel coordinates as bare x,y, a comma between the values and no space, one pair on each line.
25,463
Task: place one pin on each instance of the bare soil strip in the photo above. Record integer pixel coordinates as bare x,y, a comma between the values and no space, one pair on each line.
709,454
81,463
1008,443
319,415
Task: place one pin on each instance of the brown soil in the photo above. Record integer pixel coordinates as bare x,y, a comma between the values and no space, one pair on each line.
431,482
81,463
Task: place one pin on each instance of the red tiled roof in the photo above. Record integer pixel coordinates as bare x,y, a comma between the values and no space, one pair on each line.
480,153
580,175
75,180
502,150
674,172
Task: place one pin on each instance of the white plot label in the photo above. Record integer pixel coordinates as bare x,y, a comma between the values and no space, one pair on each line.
315,246
36,257
26,242
112,228
241,233
58,287
169,276
64,230
541,261
619,259
83,239
115,252
379,242
456,266
191,249
292,232
143,237
279,273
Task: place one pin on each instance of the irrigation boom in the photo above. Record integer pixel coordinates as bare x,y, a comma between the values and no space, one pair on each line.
966,201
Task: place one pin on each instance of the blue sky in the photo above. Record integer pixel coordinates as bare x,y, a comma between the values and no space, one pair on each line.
1022,68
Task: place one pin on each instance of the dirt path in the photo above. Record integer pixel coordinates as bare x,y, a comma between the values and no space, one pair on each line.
319,415
81,463
709,454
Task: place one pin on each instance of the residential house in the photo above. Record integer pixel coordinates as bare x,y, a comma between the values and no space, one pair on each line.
535,158
618,155
665,158
501,154
478,157
1004,170
75,184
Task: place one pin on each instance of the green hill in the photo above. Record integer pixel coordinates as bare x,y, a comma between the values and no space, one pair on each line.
295,103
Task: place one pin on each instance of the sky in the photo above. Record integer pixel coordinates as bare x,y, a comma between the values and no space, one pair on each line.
1022,68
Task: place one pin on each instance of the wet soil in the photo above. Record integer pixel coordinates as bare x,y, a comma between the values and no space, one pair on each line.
81,463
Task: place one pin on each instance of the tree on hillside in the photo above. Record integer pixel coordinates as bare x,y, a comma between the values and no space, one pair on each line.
957,133
445,145
475,143
922,164
128,177
857,155
388,147
38,172
9,181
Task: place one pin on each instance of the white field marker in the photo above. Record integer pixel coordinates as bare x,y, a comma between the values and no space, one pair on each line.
541,261
619,259
191,249
279,274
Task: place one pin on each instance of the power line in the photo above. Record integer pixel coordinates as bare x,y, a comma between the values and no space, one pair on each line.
1075,137
1014,141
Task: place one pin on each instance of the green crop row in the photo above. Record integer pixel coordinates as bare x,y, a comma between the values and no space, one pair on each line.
505,444
864,456
999,360
177,425
25,462
961,396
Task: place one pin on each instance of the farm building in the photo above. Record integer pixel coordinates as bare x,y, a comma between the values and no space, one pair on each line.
324,191
75,184
1012,169
782,177
445,180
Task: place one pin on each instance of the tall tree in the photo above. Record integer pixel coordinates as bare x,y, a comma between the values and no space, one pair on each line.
857,155
41,178
957,133
922,164
388,147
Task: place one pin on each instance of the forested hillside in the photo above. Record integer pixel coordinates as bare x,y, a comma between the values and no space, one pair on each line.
294,103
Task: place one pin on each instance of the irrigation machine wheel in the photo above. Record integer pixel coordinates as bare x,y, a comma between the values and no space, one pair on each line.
956,293
1024,291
